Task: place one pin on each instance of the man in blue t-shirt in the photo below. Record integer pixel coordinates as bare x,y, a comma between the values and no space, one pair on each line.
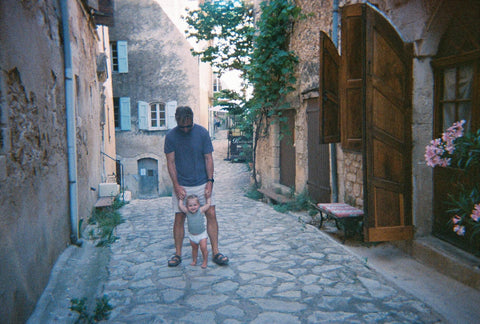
188,149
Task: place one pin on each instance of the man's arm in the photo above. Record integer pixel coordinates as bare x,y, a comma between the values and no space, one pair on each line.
209,170
172,171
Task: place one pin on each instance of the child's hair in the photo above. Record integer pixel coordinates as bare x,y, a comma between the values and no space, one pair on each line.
190,197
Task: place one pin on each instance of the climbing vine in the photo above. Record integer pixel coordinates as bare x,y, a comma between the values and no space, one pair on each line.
261,52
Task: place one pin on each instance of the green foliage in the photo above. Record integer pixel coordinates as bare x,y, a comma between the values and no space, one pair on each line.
253,193
262,54
272,67
302,201
102,310
228,28
461,152
106,220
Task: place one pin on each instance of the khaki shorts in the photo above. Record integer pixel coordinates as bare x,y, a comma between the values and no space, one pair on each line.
197,190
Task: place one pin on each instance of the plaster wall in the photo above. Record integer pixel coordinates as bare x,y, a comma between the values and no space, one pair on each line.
107,121
160,69
34,211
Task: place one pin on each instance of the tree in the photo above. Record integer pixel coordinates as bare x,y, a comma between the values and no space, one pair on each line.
227,27
260,52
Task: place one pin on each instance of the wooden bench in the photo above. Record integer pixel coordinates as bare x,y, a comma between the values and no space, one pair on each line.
347,218
275,196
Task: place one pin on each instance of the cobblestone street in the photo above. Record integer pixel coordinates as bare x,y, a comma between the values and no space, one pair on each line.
281,270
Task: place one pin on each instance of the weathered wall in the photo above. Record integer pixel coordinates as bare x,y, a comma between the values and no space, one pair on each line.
160,68
34,213
107,121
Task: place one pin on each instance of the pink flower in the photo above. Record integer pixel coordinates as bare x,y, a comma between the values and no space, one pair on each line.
456,219
460,230
476,213
437,149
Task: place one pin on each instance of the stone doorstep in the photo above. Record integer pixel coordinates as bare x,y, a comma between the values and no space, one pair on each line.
274,196
104,202
445,258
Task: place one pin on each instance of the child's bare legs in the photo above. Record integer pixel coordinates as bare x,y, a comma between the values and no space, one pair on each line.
194,252
203,248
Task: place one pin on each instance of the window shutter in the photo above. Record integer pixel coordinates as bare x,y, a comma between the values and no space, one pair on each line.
143,115
352,78
329,122
122,56
125,114
171,107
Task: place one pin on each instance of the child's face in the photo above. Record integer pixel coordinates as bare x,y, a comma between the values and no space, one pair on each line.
193,205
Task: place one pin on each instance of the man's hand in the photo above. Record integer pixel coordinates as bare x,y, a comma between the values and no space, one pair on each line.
208,189
180,192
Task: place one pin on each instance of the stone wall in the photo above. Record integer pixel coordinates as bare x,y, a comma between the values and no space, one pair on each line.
160,69
421,22
34,205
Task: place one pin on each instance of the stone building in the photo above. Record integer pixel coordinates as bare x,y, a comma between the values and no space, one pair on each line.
56,119
361,121
155,73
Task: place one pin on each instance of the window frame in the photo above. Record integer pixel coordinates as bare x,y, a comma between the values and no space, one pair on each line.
440,65
157,105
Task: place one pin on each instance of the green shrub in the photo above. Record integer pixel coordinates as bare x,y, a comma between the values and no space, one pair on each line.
102,310
106,219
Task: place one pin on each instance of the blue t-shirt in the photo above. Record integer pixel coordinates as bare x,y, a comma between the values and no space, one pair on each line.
189,149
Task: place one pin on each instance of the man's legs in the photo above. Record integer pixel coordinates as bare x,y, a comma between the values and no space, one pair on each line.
178,234
212,230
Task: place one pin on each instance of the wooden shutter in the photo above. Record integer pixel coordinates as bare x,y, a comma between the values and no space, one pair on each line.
103,15
122,54
329,124
171,107
143,110
125,123
387,129
352,76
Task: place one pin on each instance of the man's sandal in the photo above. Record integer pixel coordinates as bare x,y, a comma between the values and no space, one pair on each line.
220,259
174,261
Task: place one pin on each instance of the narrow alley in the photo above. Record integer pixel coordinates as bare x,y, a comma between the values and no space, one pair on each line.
281,270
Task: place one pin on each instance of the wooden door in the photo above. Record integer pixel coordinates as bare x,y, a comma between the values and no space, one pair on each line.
287,149
318,182
387,131
323,121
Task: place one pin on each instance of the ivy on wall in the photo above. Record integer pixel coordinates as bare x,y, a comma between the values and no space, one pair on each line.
259,50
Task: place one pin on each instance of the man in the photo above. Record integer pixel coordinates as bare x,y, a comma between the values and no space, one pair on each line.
188,149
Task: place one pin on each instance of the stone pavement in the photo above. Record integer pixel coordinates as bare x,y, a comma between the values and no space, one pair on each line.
281,270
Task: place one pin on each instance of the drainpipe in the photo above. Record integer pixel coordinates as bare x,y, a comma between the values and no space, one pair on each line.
333,146
71,128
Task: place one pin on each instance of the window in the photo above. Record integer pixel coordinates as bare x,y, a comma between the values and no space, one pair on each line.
121,113
456,70
156,115
119,52
455,94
